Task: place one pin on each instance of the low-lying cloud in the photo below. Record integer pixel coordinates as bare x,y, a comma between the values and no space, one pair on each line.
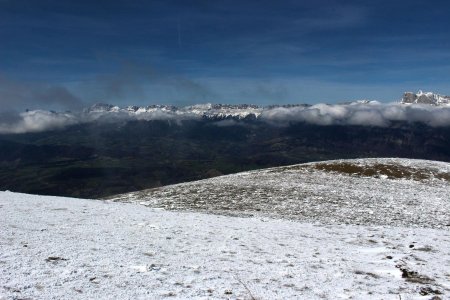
367,114
360,114
35,121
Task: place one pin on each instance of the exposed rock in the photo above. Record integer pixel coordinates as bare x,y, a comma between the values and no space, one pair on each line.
425,98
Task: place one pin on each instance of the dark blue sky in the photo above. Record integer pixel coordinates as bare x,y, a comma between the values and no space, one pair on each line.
64,54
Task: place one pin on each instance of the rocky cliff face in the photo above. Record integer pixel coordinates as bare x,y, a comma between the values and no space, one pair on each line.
425,98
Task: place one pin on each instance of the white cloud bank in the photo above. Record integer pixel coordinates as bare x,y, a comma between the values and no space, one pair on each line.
362,114
35,121
367,114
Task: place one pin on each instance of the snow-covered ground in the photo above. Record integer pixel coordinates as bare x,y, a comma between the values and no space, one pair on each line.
359,229
64,248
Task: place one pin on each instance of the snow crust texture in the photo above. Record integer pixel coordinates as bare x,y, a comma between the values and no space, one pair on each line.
63,248
394,192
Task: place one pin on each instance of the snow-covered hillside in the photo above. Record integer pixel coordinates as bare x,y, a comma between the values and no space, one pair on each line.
379,191
360,229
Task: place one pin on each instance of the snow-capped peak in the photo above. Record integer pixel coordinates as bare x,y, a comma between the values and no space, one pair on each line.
425,98
207,110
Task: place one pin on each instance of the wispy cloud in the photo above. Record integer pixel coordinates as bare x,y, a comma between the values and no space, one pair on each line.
17,95
332,18
145,83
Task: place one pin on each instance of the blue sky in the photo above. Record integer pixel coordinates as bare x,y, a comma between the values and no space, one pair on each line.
66,54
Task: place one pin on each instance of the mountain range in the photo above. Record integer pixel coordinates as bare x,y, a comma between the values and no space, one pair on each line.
242,111
425,98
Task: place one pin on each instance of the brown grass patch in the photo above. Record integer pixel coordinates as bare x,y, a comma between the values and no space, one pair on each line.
377,170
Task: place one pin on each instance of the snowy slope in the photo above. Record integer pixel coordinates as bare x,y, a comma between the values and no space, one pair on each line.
378,191
360,229
63,248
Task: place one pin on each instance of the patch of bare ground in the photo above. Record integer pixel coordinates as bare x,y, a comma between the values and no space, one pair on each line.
379,169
